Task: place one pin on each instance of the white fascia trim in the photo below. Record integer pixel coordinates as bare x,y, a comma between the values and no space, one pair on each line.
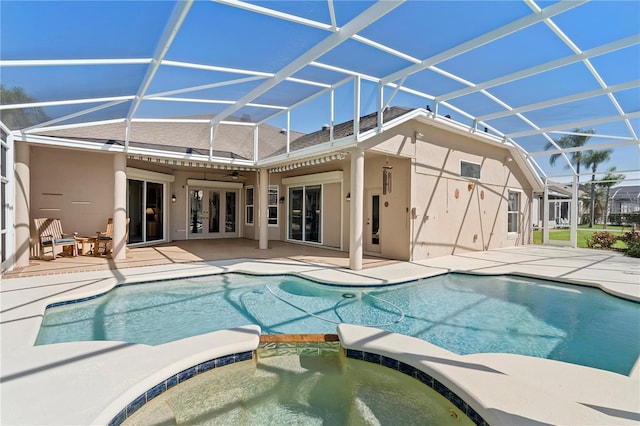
142,153
214,184
316,178
67,143
134,173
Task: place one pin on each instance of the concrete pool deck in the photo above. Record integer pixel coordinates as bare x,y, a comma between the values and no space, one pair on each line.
87,382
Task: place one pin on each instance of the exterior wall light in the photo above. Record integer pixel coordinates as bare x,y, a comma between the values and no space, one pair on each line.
173,198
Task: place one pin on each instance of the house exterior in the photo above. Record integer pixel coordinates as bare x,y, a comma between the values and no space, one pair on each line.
409,186
559,197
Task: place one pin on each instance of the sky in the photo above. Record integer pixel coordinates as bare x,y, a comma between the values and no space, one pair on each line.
219,35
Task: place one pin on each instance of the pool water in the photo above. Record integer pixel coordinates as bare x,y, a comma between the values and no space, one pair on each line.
462,313
300,390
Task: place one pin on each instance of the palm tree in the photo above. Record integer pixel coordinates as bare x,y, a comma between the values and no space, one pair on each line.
578,139
593,159
609,180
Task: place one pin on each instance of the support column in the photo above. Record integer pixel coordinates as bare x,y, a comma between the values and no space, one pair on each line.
119,207
573,220
545,213
357,209
263,212
22,203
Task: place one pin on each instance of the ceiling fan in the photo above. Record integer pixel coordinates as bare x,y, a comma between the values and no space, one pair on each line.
235,175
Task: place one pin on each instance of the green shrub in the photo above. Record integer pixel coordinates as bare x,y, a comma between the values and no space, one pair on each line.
602,240
632,240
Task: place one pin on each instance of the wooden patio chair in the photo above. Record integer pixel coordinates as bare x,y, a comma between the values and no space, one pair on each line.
104,240
50,235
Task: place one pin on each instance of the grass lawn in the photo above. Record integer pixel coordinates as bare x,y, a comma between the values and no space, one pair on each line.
584,232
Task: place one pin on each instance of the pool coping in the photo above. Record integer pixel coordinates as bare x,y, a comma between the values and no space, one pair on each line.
60,384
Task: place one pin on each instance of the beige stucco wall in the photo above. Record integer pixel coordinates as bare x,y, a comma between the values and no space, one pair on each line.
431,210
331,197
454,214
394,213
75,186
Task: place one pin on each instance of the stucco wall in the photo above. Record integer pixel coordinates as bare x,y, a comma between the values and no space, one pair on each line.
394,206
454,214
75,186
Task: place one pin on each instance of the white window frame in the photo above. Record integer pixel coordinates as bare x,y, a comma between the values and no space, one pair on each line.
472,164
276,205
248,205
514,212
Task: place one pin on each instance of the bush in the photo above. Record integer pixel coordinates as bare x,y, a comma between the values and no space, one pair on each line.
602,240
632,240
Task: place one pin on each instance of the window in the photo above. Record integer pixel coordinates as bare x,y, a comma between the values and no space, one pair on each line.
469,170
513,209
249,206
273,206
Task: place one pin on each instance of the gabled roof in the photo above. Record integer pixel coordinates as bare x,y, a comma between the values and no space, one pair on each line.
183,137
343,130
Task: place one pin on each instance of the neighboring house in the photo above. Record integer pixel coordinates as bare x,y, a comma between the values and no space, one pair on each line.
559,195
624,205
413,187
624,199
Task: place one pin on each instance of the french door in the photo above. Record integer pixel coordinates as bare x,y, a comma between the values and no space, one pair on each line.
213,213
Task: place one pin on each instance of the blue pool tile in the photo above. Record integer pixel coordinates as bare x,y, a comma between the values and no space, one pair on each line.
424,378
225,360
206,366
475,417
187,374
373,358
156,390
137,403
389,362
352,353
119,418
458,402
406,369
172,381
244,356
441,389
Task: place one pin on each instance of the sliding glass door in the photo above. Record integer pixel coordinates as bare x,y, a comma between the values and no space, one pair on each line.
145,209
305,213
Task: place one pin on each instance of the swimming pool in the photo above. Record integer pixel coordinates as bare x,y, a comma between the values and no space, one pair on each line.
459,312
